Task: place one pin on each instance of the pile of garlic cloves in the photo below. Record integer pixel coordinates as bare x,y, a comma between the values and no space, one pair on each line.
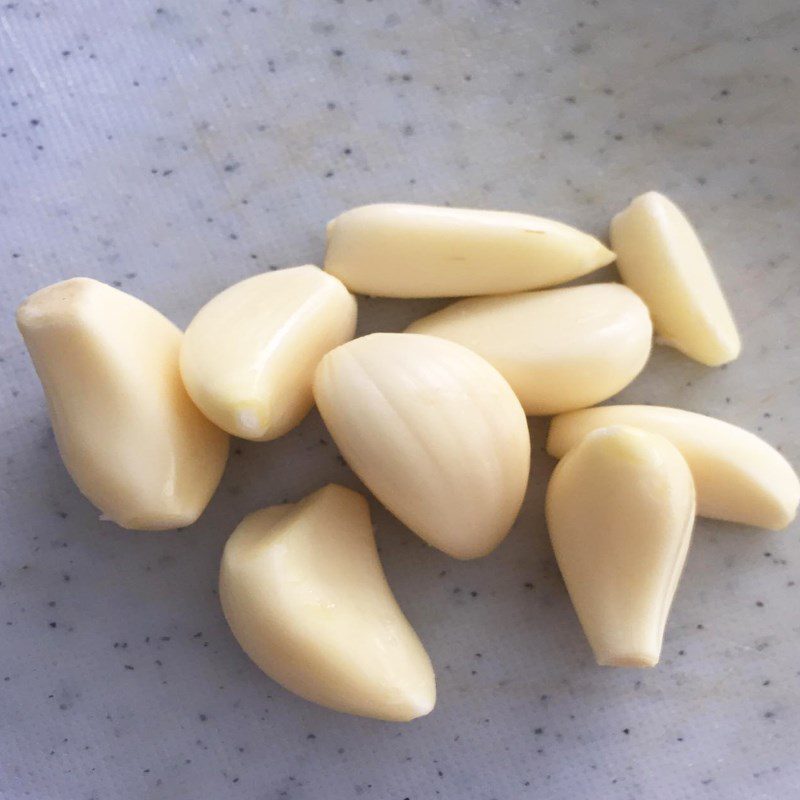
432,421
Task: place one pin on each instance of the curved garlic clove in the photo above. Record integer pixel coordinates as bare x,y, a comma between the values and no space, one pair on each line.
434,431
559,349
620,510
403,250
128,433
661,258
738,476
304,593
248,356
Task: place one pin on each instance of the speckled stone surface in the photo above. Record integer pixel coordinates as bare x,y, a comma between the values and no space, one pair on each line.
173,147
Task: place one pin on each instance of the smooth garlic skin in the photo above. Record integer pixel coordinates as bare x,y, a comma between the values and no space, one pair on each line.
620,509
128,433
304,593
248,356
738,476
435,433
659,255
559,349
403,250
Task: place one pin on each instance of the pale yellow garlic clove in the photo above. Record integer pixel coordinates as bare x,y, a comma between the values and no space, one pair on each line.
559,349
128,433
620,510
402,250
738,476
434,431
304,593
661,258
248,356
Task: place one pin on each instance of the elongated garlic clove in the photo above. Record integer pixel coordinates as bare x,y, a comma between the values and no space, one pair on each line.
738,476
128,433
620,510
560,349
304,593
661,258
248,356
401,250
434,431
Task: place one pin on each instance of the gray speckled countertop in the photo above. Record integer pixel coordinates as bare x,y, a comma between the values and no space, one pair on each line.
173,147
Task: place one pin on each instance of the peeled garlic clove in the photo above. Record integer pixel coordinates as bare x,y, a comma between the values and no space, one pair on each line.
661,258
738,476
401,250
248,356
128,433
620,510
559,349
434,431
304,593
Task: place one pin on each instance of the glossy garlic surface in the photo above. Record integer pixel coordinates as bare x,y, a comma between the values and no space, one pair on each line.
620,509
128,433
304,593
738,476
559,349
434,431
659,255
404,250
248,356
